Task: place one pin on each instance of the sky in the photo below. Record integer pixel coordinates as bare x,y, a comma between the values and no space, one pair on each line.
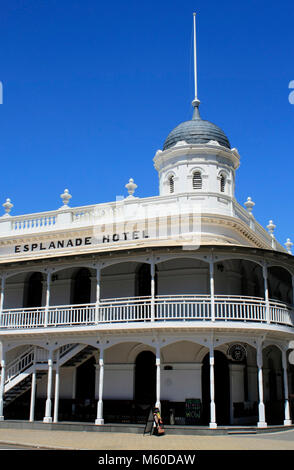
91,90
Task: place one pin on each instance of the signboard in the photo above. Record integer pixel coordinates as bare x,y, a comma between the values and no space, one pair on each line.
192,411
149,423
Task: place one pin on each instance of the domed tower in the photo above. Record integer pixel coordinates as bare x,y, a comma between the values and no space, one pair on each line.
197,159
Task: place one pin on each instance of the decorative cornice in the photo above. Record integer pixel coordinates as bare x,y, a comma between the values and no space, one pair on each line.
188,149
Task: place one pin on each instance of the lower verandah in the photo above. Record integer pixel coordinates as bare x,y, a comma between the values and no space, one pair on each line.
129,386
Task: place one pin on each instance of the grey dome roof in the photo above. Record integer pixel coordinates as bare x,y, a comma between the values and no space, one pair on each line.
196,131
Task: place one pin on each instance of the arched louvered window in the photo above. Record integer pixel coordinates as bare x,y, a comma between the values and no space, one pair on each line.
197,180
171,184
222,183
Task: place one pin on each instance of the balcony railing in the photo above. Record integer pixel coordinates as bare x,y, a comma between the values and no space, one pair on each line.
146,309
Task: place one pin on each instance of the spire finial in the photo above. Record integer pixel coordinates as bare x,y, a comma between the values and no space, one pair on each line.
195,102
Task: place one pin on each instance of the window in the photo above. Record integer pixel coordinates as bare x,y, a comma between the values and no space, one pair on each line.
171,184
222,183
197,180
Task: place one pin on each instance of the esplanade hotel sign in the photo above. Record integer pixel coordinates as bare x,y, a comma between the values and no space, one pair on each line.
181,301
129,222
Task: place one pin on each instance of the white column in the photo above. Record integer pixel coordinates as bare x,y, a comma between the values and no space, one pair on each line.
211,278
152,272
47,298
2,297
158,404
33,389
2,384
98,293
212,423
287,420
100,419
266,294
56,394
261,409
97,369
48,417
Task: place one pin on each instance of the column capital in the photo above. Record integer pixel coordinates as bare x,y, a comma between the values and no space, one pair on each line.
260,342
49,270
211,342
97,265
211,260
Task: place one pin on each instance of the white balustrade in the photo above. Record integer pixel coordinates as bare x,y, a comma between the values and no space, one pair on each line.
82,214
32,223
138,309
19,365
240,308
23,318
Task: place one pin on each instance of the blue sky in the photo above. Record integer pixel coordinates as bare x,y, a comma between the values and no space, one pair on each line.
91,89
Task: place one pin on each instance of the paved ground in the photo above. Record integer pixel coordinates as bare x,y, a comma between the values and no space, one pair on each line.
79,440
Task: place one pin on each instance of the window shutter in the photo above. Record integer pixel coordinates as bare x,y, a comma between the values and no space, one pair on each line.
171,184
222,183
197,180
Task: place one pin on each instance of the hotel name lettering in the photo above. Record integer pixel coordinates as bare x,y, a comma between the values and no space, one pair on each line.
85,241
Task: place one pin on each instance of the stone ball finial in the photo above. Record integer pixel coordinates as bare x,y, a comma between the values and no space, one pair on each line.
7,206
65,197
249,204
289,245
131,186
271,227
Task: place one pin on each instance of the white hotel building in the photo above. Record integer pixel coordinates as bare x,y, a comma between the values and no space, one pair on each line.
110,308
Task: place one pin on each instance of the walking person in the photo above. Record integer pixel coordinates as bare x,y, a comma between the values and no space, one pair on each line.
158,423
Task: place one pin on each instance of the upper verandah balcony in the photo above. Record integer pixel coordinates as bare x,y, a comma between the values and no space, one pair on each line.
160,311
158,290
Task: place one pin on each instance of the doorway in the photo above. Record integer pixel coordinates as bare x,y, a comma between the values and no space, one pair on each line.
221,387
82,287
34,290
145,378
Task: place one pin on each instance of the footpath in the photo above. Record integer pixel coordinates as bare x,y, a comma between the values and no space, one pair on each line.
83,440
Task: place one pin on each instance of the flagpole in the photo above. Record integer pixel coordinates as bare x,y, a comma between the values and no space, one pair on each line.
195,102
195,58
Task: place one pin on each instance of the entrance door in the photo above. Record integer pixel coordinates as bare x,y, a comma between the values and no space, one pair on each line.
145,378
221,387
143,281
33,293
82,287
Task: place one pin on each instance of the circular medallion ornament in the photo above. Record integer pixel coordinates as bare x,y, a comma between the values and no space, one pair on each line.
237,352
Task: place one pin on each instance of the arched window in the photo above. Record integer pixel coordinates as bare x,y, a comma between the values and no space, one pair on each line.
171,184
222,183
197,180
